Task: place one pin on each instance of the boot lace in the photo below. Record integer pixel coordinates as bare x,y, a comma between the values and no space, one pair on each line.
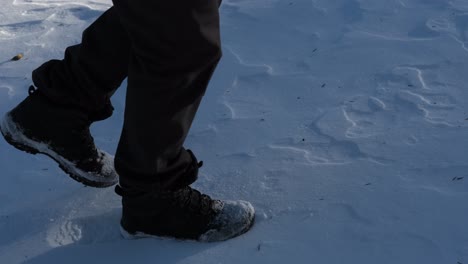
193,201
32,90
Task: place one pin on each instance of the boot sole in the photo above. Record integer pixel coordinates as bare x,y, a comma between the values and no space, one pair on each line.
17,139
139,235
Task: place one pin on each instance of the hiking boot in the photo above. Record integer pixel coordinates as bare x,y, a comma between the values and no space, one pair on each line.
161,209
38,125
183,214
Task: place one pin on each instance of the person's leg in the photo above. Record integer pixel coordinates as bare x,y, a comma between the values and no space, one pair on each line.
175,47
90,71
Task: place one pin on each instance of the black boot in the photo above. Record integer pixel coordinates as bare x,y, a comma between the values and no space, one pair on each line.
183,213
38,125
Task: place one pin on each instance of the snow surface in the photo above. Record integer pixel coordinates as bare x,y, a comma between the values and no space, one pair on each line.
344,122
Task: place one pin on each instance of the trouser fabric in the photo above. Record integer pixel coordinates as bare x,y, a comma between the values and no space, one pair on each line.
168,51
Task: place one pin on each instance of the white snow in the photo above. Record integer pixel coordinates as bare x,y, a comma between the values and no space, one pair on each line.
344,122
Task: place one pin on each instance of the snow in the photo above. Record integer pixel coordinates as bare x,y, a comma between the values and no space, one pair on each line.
344,122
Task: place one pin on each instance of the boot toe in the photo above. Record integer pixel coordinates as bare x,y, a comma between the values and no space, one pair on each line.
234,218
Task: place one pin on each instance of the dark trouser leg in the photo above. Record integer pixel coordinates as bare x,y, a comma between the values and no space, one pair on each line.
169,51
175,47
91,71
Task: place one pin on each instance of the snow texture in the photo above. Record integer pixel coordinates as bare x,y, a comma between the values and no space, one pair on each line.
344,123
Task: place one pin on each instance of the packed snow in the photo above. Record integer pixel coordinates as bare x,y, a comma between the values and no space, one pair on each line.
344,122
